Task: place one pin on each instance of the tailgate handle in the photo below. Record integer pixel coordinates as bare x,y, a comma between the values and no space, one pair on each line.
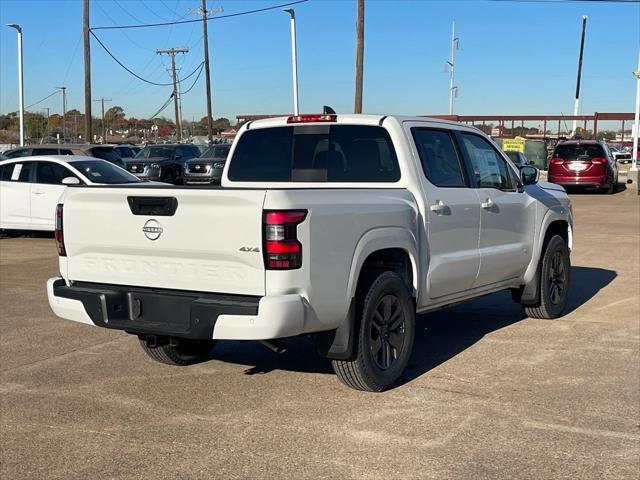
156,206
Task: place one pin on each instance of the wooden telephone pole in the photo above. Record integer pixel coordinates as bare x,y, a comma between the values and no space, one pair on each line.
172,53
359,56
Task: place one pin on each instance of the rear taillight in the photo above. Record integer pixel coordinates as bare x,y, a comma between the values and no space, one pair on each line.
282,250
598,160
59,234
556,161
314,117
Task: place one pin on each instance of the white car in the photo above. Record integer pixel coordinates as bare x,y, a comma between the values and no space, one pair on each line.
341,227
31,186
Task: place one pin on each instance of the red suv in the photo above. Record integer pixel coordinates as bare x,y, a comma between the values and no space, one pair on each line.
583,163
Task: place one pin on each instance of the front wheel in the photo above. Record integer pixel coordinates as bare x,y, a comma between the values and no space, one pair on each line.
187,352
385,337
554,278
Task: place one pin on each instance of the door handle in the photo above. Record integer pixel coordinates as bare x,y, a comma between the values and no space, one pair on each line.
488,203
438,206
38,192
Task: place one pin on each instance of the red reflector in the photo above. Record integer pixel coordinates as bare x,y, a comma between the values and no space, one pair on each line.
314,117
283,247
280,217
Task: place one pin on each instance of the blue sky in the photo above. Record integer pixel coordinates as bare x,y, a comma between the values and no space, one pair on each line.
515,57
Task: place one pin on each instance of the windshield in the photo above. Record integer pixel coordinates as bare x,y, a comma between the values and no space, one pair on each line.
217,151
155,151
99,171
578,152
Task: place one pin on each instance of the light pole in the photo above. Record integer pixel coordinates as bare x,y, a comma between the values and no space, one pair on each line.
294,59
636,133
20,84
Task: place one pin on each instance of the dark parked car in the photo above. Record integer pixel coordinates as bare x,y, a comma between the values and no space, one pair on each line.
518,158
126,151
583,163
161,162
104,152
208,167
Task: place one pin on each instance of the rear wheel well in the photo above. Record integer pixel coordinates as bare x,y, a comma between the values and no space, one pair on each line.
390,259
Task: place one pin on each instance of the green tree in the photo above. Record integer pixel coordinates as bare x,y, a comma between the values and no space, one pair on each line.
114,114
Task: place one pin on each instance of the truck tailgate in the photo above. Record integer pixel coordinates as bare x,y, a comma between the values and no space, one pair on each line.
212,242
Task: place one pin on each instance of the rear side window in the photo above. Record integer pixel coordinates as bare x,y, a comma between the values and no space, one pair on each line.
579,152
17,172
105,153
51,173
22,152
439,158
315,153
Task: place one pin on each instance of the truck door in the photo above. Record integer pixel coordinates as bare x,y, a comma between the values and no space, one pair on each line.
508,213
453,214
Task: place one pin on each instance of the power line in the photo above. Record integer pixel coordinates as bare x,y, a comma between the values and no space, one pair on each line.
153,12
42,100
127,12
165,105
131,71
178,22
195,81
73,57
124,33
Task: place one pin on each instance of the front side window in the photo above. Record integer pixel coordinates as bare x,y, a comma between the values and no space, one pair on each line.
155,151
439,158
51,173
315,153
489,167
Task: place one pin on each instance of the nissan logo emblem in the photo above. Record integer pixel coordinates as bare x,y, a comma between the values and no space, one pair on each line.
197,167
152,229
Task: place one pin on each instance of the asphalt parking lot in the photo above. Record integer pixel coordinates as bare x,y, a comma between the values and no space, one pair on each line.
489,393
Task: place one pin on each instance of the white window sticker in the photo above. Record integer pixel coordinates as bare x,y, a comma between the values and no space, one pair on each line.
16,171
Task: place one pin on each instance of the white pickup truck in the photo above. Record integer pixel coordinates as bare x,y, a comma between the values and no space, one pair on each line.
341,227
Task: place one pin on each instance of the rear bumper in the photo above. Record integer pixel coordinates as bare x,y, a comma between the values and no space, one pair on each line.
599,181
175,313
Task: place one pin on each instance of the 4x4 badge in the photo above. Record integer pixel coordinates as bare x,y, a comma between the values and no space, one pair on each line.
249,249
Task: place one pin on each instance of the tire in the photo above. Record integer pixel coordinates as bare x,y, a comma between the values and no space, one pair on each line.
384,338
168,176
555,280
612,186
187,352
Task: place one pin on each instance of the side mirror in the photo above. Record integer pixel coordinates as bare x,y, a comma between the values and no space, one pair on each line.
71,181
529,175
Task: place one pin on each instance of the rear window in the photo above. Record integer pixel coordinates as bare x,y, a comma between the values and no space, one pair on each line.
99,171
578,152
151,152
315,153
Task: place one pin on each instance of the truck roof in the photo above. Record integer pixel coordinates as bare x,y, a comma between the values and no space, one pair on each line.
348,118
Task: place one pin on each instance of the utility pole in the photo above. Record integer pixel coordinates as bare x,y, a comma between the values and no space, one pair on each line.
577,99
104,127
172,53
207,77
451,64
359,56
64,111
87,70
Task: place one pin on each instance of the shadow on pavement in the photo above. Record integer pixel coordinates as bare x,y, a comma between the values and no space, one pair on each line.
440,335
